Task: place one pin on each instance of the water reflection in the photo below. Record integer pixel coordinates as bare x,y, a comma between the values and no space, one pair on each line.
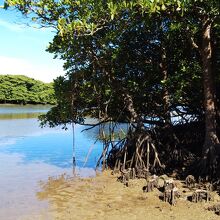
52,146
19,116
20,183
10,111
16,109
22,128
29,154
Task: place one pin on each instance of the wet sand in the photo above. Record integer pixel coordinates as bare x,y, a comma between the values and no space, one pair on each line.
103,197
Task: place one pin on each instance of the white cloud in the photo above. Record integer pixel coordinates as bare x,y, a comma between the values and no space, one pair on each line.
24,26
18,66
11,26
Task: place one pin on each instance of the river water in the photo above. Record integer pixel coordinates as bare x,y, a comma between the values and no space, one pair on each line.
30,154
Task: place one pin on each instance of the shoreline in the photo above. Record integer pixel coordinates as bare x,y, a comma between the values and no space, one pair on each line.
103,197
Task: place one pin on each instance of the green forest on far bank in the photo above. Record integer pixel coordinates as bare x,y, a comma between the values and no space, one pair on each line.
19,89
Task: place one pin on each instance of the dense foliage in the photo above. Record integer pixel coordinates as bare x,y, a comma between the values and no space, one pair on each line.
150,63
20,89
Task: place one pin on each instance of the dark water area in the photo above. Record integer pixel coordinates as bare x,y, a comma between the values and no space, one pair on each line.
30,154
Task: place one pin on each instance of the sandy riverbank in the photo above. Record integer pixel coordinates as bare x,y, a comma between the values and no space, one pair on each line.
103,197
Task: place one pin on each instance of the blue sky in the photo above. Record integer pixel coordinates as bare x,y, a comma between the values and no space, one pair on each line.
22,49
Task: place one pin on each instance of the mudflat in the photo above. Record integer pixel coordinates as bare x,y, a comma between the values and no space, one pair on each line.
103,197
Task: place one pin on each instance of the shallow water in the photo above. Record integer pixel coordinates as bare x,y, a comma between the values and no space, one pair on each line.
30,155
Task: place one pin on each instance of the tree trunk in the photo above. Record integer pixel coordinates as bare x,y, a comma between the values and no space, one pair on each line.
211,139
135,117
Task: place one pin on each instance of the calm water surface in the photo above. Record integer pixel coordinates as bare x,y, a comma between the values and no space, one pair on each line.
30,154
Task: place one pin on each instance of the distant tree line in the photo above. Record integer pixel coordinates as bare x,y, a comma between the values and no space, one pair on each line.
20,89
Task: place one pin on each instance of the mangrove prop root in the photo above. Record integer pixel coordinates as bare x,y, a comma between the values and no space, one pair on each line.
151,184
127,174
171,196
137,151
190,181
199,195
171,192
215,208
